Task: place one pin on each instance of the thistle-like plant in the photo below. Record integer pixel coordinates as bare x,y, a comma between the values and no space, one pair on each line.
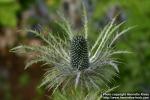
71,61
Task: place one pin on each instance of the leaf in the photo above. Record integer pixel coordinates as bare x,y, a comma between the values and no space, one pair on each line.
8,10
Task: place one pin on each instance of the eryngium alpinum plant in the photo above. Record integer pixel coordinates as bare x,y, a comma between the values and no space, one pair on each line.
71,61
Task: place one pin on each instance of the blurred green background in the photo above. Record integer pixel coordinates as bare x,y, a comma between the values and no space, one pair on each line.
19,84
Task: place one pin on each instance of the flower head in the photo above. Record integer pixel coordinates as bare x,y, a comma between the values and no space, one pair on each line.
79,53
72,62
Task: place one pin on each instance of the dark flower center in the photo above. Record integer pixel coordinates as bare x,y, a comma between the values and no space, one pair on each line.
79,53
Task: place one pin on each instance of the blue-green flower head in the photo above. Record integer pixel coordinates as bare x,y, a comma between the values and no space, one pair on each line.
79,53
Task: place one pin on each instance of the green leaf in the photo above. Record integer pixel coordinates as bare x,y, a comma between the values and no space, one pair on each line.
8,11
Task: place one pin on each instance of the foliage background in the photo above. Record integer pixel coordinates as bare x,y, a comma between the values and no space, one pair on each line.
19,84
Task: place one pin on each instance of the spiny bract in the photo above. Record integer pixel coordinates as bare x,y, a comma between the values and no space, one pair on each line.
71,61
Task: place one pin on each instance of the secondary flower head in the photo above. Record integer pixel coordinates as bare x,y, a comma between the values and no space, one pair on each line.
71,60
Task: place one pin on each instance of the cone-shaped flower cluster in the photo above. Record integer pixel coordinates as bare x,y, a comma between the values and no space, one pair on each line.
79,53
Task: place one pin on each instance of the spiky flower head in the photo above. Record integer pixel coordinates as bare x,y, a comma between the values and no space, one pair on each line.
71,61
79,53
